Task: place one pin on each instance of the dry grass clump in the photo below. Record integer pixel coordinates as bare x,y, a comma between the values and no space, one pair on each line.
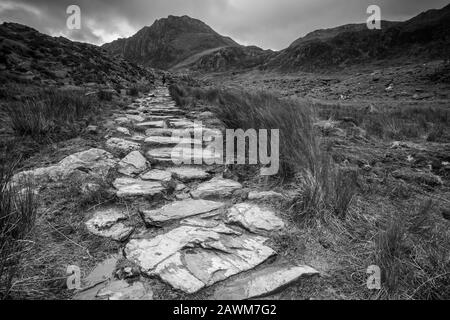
50,113
319,185
410,245
18,207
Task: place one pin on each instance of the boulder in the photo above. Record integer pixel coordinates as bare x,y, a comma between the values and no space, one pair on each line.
93,163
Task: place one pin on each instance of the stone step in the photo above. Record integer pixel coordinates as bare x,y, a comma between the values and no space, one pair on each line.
188,173
128,187
182,155
216,188
152,124
157,175
162,141
179,210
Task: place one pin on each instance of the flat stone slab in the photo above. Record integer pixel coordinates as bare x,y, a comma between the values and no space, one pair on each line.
122,290
101,273
106,223
157,175
179,210
190,258
167,132
137,138
152,124
216,187
135,118
254,219
154,117
122,145
182,123
171,141
263,195
183,155
186,173
128,187
263,282
94,163
134,163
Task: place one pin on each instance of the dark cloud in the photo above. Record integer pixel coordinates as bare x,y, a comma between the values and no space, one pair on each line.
269,23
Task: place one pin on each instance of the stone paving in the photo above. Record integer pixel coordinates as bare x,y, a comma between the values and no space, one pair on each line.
198,241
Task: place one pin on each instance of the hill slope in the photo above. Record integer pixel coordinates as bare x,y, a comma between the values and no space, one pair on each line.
168,42
28,55
423,37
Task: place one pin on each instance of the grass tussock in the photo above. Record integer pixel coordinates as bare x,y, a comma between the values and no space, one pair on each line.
50,113
410,245
18,207
320,187
407,122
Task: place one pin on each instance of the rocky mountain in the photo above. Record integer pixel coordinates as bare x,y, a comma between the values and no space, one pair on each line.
168,42
226,59
27,55
424,37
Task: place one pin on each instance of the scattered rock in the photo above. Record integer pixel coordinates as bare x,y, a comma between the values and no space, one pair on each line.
179,210
216,187
134,163
254,219
105,223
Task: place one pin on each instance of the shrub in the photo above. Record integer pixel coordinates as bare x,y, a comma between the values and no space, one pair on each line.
17,216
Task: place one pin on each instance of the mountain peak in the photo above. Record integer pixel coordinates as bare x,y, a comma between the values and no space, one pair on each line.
168,41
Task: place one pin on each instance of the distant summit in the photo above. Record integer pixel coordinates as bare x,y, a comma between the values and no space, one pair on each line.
169,41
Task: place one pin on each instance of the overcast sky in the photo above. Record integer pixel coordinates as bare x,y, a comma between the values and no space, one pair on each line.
270,24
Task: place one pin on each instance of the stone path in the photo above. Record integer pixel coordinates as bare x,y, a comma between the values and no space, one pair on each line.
195,239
